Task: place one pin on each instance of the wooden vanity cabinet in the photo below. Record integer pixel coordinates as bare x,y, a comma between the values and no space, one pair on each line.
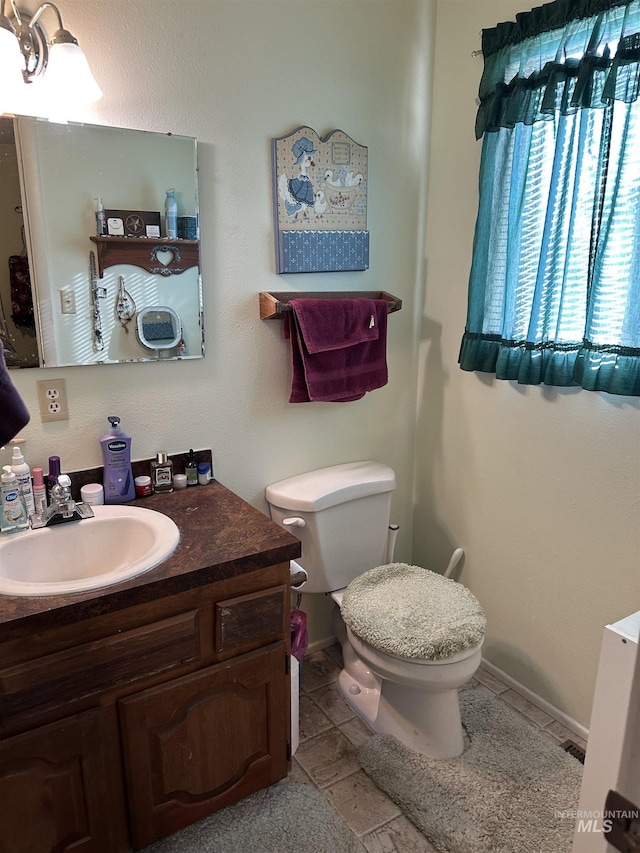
204,741
123,728
61,787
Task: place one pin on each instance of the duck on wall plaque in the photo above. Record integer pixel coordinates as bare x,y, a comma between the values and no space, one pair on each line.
320,202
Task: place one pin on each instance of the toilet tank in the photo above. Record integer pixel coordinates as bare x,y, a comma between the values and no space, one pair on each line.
344,512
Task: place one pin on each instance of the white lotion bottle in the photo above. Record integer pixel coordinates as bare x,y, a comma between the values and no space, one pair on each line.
23,475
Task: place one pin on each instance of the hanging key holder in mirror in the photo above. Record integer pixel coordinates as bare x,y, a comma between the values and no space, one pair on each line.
125,306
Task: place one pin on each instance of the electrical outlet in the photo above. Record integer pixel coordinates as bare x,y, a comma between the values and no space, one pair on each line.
52,395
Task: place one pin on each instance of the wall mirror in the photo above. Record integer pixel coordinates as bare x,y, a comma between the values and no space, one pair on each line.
69,296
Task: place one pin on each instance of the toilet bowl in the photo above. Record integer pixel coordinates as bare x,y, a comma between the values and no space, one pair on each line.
419,637
417,700
410,637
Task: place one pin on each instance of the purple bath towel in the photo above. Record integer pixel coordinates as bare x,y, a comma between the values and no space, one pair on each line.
338,348
13,412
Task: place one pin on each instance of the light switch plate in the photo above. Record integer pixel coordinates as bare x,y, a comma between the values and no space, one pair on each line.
67,300
52,396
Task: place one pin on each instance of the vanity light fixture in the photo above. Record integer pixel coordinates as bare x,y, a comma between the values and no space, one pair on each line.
38,76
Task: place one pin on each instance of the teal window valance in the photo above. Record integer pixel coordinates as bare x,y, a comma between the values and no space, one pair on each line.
554,291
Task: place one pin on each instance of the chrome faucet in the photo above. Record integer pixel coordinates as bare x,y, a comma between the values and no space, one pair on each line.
62,508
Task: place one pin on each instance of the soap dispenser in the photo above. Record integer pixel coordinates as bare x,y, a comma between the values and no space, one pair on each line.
14,515
119,486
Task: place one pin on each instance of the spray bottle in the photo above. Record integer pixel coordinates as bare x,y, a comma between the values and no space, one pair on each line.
23,474
39,491
52,476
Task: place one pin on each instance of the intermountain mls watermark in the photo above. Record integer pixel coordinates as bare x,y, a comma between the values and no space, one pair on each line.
597,821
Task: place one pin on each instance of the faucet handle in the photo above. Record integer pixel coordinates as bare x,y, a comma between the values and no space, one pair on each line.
62,489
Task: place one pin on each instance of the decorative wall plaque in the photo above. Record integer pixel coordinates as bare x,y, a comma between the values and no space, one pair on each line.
320,202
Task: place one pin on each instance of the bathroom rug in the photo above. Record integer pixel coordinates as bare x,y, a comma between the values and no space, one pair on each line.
288,817
506,793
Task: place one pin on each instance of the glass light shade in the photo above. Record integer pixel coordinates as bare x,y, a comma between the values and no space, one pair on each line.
11,64
67,81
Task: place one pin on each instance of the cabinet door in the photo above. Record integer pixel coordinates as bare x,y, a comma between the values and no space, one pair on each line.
204,741
60,788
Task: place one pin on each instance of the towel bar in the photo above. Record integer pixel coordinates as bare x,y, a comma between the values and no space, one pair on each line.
273,305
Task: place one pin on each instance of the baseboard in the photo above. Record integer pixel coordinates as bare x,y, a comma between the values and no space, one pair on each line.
318,645
550,709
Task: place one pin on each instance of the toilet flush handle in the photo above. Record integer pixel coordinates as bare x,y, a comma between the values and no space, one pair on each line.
295,521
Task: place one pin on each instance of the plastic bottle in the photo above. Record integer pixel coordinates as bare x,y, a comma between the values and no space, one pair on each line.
191,469
171,215
13,517
101,219
52,476
23,474
116,457
39,491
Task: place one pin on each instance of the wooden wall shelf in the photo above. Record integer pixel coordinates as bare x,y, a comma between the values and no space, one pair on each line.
144,251
274,305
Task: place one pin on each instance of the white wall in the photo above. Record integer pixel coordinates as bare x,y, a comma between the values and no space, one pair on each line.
235,74
539,485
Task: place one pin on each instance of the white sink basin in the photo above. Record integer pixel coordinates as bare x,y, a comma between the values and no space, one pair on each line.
119,543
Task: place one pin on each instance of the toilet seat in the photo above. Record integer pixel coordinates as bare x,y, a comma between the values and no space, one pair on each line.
413,672
414,614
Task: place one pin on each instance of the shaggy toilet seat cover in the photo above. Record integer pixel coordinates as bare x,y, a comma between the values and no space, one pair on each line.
413,612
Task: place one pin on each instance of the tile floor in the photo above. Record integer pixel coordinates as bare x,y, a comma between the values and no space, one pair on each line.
330,735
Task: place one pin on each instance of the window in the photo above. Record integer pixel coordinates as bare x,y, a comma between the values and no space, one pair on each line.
554,291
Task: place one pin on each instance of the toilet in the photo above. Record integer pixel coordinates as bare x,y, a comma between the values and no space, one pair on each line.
410,637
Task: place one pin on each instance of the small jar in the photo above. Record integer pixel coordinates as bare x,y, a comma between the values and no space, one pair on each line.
92,494
179,481
143,486
204,473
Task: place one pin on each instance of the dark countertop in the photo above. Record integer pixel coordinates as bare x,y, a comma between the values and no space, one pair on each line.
221,536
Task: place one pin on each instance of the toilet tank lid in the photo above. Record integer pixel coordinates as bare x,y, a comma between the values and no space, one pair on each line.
327,487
